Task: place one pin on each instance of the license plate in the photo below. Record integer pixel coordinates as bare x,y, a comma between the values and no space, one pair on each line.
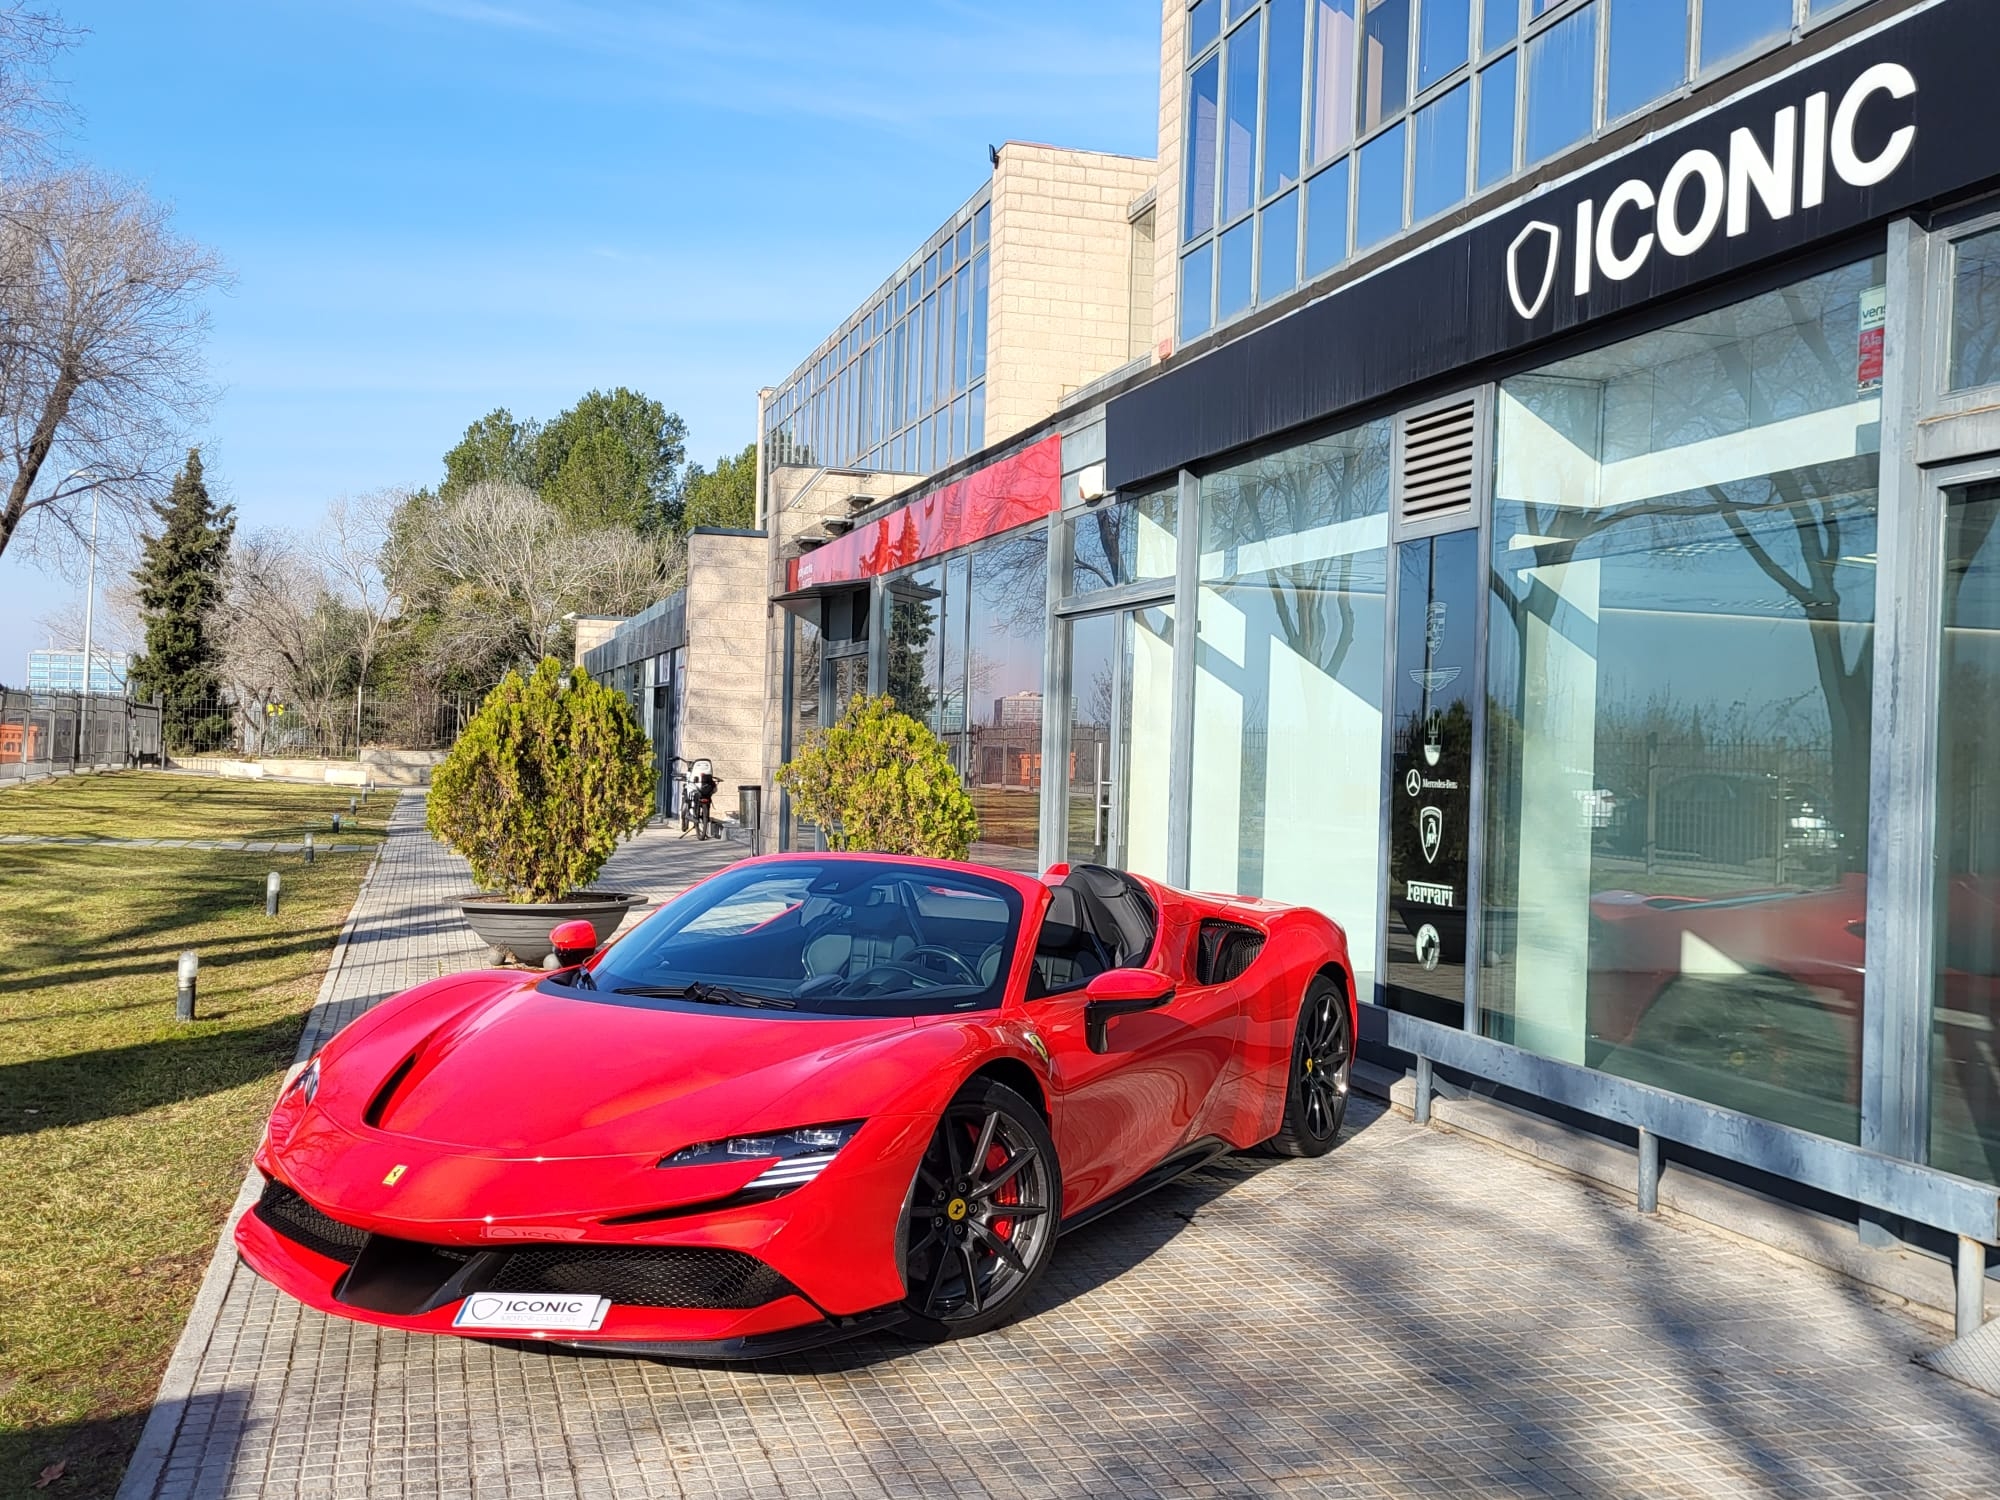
531,1312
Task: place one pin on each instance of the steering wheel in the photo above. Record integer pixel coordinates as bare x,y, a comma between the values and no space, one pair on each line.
967,973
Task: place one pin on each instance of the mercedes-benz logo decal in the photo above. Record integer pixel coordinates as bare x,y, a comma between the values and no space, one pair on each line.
1521,257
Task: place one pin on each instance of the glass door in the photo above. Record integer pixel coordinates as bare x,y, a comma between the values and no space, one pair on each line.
1120,734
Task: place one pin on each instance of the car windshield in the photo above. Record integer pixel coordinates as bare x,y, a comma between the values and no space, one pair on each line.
819,937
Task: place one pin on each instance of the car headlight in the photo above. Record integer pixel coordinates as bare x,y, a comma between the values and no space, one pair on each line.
306,1085
801,1154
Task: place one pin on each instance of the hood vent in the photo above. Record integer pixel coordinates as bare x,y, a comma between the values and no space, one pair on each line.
1438,447
379,1105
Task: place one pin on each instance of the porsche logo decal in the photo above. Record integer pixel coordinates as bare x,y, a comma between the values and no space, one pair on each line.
955,1210
395,1174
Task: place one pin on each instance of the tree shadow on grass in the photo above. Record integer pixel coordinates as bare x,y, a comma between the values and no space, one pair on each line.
110,1082
93,1454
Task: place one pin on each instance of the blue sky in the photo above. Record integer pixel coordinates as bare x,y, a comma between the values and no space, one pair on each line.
435,207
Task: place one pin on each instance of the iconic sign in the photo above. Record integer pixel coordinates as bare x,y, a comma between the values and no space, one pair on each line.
1784,171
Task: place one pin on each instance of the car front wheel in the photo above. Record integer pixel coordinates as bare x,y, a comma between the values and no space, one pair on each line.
1322,1068
982,1217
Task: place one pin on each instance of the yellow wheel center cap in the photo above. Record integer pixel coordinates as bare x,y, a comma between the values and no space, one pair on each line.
1309,1065
955,1210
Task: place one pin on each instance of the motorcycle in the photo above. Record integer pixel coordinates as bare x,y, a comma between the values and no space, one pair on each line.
698,786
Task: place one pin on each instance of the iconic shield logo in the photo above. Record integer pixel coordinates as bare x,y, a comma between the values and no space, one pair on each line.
1430,829
1541,242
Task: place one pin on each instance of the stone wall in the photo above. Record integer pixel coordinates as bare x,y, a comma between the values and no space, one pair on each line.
726,612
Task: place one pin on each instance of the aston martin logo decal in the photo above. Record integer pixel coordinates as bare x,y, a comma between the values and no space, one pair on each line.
395,1174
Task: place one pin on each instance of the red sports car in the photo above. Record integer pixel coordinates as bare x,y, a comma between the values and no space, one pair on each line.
816,1095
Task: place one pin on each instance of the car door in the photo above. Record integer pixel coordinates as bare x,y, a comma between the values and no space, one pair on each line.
1121,1111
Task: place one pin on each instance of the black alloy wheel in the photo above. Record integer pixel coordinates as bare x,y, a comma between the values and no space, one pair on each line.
983,1214
1322,1071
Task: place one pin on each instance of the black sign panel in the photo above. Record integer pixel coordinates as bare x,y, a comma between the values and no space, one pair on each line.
1430,781
1897,119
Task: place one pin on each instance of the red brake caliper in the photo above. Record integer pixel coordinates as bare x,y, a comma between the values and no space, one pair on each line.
1010,1190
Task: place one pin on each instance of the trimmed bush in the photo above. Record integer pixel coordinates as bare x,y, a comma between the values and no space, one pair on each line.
547,777
878,780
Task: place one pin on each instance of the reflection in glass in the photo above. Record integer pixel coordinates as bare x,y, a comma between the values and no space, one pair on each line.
802,695
1333,77
1204,26
1444,38
1326,219
1385,60
1145,737
1239,144
1965,1086
1735,28
975,419
1278,250
1378,211
1284,101
1647,49
1443,131
1127,541
1197,290
1002,698
1288,685
1680,706
1203,100
1093,680
1496,120
976,335
1975,312
1233,290
1562,82
916,610
948,720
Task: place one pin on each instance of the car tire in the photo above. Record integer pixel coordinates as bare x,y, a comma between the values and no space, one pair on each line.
957,1231
1320,1073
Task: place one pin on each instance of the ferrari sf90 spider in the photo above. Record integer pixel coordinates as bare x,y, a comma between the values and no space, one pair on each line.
814,1096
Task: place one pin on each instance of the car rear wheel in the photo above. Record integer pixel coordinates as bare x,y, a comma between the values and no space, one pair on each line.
1321,1071
982,1217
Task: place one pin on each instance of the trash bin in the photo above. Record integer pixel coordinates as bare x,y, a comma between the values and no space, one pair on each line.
749,813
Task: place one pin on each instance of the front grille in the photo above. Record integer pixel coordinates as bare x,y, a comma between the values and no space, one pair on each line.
663,1276
297,1220
638,1276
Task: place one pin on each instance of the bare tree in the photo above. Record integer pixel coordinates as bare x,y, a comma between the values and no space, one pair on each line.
101,323
349,549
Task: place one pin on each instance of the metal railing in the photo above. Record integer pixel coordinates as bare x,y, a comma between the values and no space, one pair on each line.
337,727
43,733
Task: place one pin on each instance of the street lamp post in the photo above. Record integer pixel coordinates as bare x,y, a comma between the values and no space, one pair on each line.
89,606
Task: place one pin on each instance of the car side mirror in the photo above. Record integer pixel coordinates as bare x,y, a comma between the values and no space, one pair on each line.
1119,992
573,942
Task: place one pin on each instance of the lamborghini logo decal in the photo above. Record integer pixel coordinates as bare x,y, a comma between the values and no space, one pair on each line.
395,1174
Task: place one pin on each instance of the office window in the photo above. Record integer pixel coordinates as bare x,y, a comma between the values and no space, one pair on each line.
1385,60
1444,40
1235,285
1378,211
1239,148
1728,31
1326,219
1284,96
1278,250
1333,77
1496,119
1204,99
1204,26
1197,289
1499,21
976,334
1443,137
1562,69
1646,52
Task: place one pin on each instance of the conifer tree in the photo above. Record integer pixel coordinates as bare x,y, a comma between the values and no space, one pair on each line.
180,582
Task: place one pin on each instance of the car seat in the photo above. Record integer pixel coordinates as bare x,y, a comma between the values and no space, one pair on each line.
870,936
1067,952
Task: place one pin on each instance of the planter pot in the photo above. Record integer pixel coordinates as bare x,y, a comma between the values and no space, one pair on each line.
520,929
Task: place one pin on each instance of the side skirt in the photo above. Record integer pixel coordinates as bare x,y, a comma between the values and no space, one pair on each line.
1183,1161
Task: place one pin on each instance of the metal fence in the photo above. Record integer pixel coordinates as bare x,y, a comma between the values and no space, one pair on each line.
41,733
336,728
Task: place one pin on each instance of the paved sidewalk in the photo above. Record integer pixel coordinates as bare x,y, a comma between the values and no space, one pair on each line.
1413,1315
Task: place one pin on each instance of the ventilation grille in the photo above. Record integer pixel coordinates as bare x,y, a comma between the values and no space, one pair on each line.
1226,950
1440,447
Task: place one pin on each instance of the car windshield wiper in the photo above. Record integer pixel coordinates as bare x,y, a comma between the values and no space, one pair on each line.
706,994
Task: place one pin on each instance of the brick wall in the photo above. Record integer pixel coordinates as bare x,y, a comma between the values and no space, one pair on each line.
1167,221
726,625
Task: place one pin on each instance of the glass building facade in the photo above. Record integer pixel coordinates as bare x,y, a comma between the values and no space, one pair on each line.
1317,130
901,387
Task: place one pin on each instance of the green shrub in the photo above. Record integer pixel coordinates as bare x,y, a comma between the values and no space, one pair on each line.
878,780
547,777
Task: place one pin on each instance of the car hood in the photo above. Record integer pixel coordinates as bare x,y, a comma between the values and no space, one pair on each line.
524,1072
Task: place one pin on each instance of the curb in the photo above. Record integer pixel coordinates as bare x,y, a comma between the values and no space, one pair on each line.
156,1440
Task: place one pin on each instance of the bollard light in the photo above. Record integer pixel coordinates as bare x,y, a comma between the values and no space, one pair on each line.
184,1000
309,848
271,894
336,822
353,805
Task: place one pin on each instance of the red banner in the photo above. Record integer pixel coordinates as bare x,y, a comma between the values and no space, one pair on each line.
988,501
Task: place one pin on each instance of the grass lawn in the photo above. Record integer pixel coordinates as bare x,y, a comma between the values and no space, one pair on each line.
124,1134
159,805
